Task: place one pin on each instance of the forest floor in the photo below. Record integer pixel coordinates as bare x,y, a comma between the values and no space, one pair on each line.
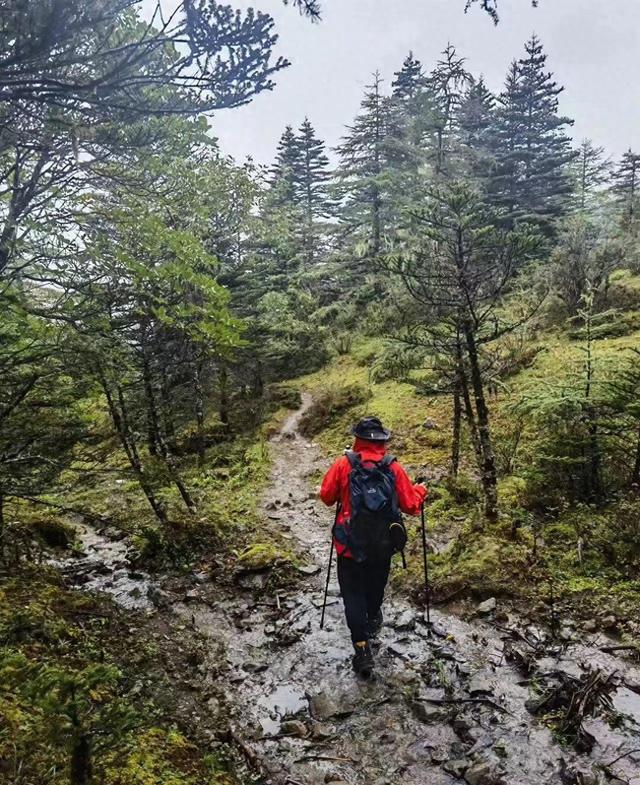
485,697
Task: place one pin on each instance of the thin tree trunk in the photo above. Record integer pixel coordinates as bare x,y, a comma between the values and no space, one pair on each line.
468,408
167,411
456,429
120,423
488,469
160,445
1,525
223,410
635,474
198,396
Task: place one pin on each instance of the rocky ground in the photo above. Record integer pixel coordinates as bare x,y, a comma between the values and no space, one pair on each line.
487,700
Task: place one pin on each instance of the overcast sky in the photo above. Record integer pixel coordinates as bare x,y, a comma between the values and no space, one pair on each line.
592,47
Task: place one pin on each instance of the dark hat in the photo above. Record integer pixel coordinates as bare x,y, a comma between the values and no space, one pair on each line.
372,429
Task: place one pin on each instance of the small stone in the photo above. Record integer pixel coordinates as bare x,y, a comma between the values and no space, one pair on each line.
430,425
480,684
457,767
405,621
294,728
481,774
324,706
590,625
609,622
321,731
488,606
428,712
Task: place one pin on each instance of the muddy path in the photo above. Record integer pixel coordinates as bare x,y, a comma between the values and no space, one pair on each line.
442,710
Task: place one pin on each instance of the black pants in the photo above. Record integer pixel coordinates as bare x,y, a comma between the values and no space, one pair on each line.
362,587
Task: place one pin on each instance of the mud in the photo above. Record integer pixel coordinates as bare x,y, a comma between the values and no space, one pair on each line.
444,708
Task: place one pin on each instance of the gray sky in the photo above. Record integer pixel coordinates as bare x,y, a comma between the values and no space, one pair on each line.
592,47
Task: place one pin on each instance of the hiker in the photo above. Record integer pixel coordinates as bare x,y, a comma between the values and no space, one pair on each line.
365,536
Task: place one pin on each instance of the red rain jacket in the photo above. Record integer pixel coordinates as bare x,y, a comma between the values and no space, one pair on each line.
335,485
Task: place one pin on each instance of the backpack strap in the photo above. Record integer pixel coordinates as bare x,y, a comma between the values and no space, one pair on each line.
353,457
388,460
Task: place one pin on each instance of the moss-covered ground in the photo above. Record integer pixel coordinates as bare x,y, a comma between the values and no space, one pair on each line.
89,693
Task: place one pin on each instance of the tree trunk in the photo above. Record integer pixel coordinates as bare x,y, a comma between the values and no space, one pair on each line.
198,397
167,410
456,428
223,410
635,474
463,386
488,469
81,761
1,525
120,423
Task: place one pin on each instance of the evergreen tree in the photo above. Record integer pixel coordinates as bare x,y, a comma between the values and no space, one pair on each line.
626,178
589,171
532,148
285,167
447,83
409,80
362,160
476,116
311,173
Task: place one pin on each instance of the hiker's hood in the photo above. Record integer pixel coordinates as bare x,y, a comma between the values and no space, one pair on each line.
372,450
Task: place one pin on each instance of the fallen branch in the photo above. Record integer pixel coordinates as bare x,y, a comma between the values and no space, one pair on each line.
332,758
487,701
621,647
620,757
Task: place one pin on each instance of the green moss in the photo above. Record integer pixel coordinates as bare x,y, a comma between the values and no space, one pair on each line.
259,556
66,675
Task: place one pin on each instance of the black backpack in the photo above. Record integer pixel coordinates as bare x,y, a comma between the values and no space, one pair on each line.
376,530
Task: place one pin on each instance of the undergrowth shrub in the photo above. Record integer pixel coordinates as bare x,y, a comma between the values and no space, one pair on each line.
329,403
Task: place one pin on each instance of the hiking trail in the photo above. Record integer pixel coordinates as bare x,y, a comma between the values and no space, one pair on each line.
442,710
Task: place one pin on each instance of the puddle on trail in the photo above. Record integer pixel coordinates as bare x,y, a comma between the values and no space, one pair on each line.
440,709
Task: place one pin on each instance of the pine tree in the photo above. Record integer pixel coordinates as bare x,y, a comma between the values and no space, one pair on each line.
283,171
532,148
362,161
447,83
589,171
476,116
310,173
626,188
409,80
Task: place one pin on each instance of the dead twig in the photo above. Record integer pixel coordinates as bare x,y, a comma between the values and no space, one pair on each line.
620,757
486,701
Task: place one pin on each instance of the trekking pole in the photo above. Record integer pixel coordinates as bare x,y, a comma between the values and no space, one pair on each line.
326,586
427,593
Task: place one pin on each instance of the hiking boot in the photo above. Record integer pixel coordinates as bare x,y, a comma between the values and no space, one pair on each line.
363,659
375,624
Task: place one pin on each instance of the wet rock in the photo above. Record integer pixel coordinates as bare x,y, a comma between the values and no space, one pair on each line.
324,706
308,569
429,712
488,606
200,577
405,621
252,580
482,773
321,731
609,622
457,767
114,534
294,728
590,625
192,595
159,597
480,684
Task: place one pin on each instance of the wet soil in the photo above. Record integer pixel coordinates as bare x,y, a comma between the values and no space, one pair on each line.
446,706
